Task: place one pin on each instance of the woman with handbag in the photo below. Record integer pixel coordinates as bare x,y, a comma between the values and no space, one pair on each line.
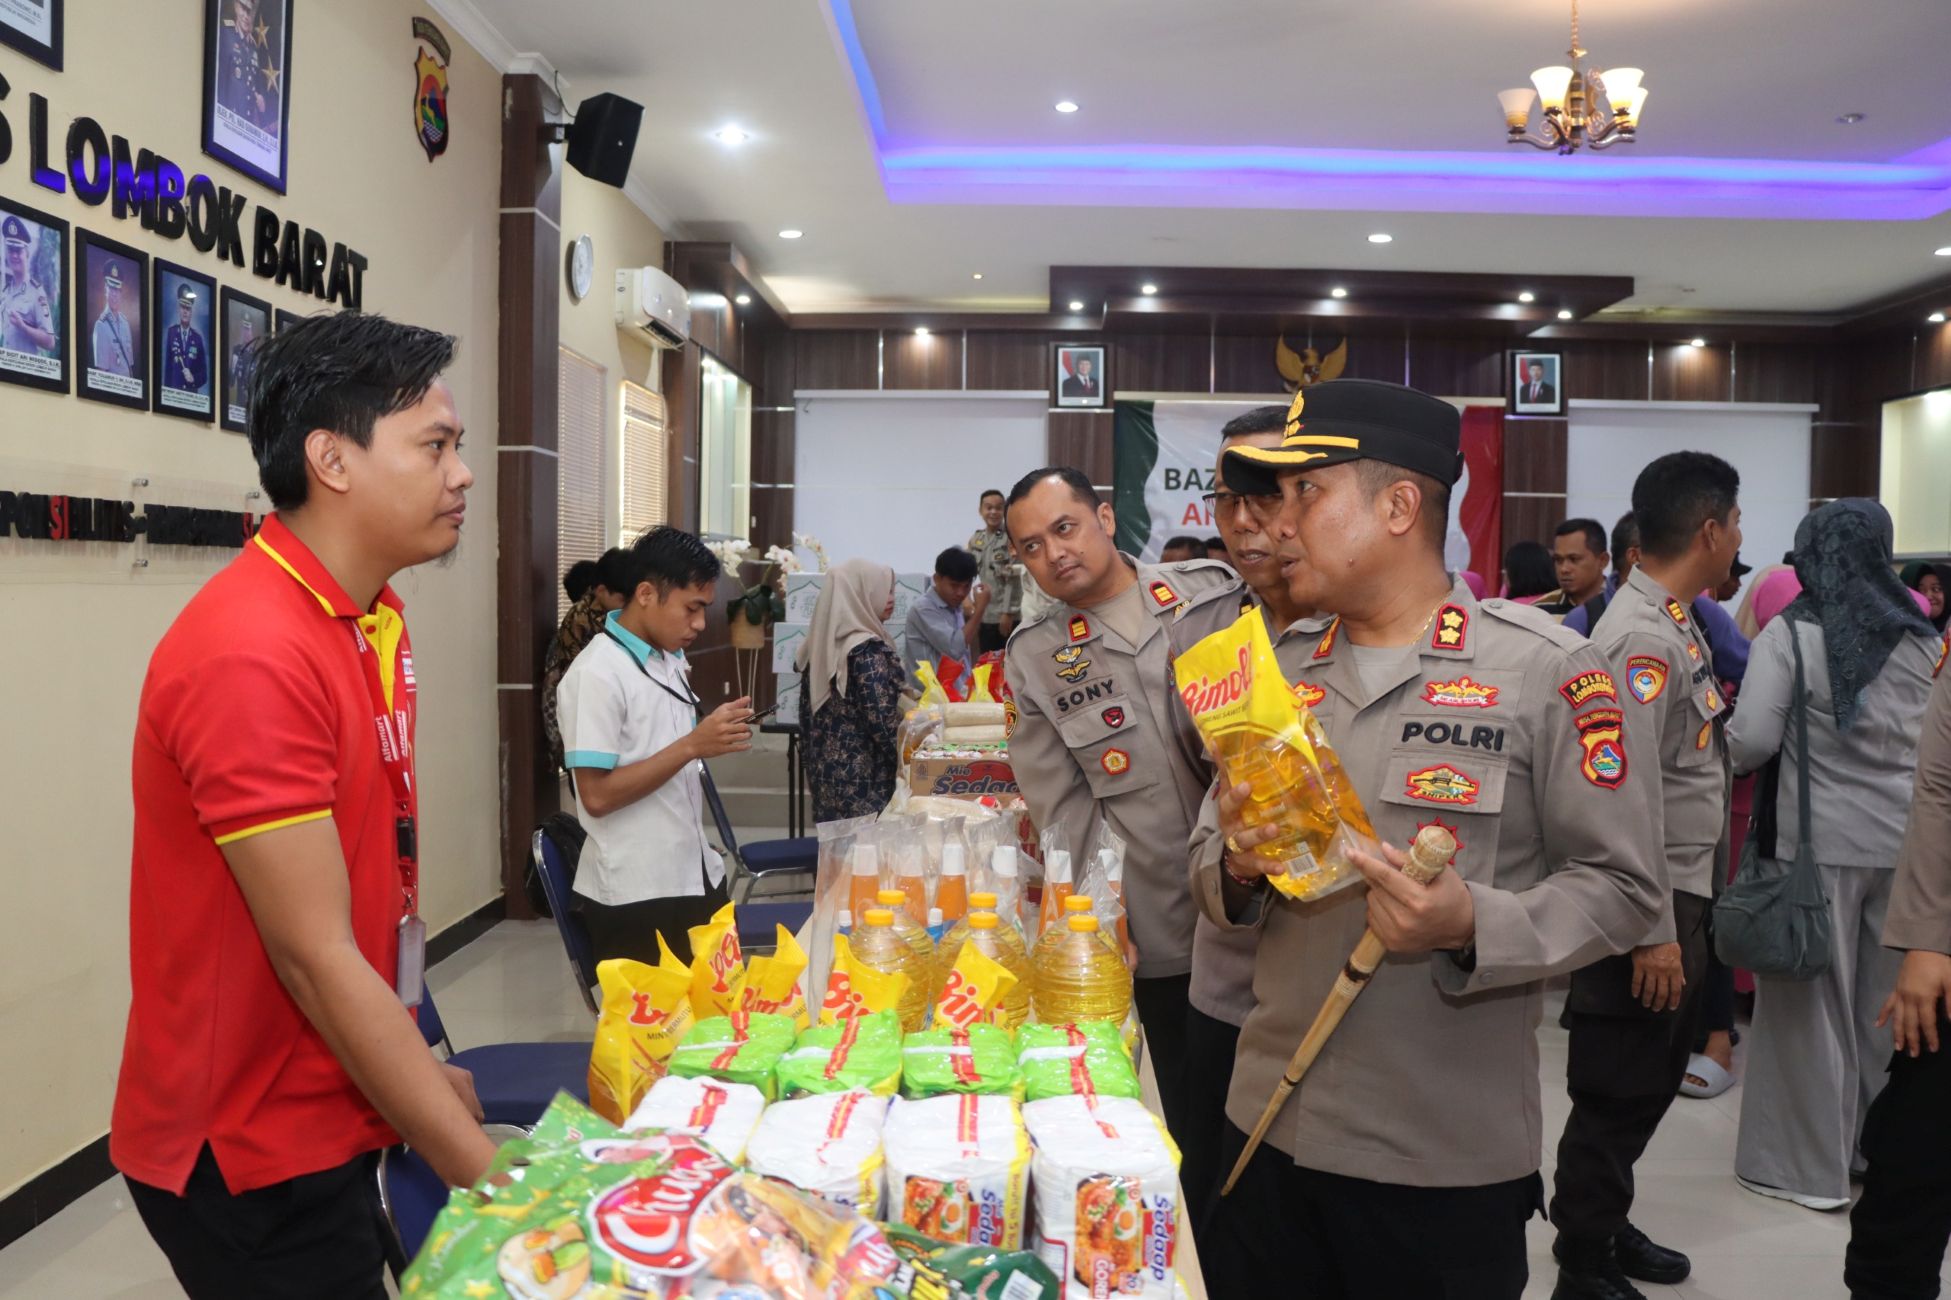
1835,692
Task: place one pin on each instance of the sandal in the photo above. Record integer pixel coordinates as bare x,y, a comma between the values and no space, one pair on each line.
1705,1077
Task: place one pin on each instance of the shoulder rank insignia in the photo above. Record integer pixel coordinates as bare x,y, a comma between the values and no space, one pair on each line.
1327,646
1676,613
1452,628
1080,629
1162,594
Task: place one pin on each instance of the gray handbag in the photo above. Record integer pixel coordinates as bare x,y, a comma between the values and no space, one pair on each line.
1774,918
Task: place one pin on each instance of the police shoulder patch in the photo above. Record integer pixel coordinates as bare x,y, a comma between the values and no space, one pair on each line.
1646,677
1593,684
1600,737
1115,762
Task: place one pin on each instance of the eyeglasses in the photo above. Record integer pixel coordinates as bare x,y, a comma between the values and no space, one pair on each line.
1227,502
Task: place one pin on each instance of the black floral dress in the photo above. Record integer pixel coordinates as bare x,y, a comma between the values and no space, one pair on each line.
851,759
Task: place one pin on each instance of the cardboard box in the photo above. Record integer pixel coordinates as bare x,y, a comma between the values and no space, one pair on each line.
962,777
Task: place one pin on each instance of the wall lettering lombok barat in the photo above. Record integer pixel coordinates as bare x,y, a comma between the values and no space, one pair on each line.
136,182
52,517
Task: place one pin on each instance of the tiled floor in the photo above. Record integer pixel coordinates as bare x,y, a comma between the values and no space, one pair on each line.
513,984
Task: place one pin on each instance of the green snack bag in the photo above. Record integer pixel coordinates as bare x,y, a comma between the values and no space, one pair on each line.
981,1058
943,1270
863,1052
1074,1060
740,1048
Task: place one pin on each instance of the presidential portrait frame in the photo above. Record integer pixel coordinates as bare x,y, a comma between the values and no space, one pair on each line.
284,320
29,370
237,120
1063,360
42,47
93,253
235,306
1517,362
164,278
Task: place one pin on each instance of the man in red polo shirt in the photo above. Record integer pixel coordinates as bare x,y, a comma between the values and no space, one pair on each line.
275,943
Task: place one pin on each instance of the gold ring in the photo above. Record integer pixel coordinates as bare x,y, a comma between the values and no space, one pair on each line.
1231,847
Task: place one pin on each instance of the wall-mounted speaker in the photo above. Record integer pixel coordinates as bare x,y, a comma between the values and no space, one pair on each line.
604,136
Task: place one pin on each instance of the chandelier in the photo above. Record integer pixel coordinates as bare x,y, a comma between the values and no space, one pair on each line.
1583,107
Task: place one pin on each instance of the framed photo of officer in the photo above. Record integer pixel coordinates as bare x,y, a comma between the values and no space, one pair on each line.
33,298
185,307
1537,382
112,345
247,323
247,86
1077,374
34,28
286,319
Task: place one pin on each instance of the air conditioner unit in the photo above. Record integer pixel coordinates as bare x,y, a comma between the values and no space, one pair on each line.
649,301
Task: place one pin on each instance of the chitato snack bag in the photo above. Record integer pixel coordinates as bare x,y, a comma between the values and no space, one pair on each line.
1261,732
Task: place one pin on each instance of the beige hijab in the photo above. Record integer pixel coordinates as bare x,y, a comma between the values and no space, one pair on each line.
848,613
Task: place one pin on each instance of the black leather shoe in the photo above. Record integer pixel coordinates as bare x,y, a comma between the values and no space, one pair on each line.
1645,1260
1587,1272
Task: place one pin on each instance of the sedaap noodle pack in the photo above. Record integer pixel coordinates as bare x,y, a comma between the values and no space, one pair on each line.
958,1169
828,1145
1107,1196
720,1115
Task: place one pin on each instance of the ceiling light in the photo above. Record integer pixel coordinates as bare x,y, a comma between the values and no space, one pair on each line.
743,300
1066,106
1337,292
1148,289
1564,313
1379,238
1527,296
1935,318
1849,119
1945,251
1696,343
790,233
977,275
921,331
1076,306
731,136
1582,107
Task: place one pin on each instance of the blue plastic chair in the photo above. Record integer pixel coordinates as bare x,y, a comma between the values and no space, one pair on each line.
766,859
554,874
515,1081
412,1194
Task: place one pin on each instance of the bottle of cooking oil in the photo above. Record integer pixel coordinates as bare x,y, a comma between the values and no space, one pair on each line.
876,946
915,935
958,929
991,938
1075,905
1078,977
1306,795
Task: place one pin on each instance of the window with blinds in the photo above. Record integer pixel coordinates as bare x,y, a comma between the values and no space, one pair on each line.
641,453
580,495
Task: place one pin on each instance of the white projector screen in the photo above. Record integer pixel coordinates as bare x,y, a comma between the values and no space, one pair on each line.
1610,442
896,479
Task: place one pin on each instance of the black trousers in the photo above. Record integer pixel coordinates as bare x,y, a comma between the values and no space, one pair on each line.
320,1236
631,929
990,638
1625,1067
1210,1046
1304,1235
1902,1220
1162,1006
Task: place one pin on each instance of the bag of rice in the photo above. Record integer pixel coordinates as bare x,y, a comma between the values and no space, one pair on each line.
863,1052
1074,1060
958,1169
828,1145
738,1048
1107,1196
981,1058
720,1115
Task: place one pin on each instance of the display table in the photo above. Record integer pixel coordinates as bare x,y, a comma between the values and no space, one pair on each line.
1186,1263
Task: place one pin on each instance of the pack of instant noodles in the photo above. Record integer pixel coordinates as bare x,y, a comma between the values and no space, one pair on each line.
981,1058
738,1048
1261,732
582,1212
859,1052
1086,1060
646,1012
721,1115
958,1168
1107,1196
828,1145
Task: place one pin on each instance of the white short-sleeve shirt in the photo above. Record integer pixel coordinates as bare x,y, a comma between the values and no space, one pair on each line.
621,701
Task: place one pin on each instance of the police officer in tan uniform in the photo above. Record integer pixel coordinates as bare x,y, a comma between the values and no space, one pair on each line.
1001,590
1633,1017
1100,736
1406,1163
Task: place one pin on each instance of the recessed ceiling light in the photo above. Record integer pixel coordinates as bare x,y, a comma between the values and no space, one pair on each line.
1696,343
1337,292
921,331
1527,296
1380,238
790,233
1849,119
732,136
1564,313
1935,318
976,275
1066,106
1148,289
743,300
1076,306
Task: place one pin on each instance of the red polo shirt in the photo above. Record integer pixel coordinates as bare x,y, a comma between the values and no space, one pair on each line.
255,715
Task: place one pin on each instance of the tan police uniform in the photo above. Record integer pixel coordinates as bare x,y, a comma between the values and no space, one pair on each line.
996,568
1625,1062
1101,739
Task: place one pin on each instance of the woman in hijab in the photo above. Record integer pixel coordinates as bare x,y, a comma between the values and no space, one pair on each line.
1926,581
850,693
1815,1059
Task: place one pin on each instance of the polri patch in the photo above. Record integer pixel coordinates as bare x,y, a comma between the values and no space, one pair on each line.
1442,784
1646,677
1460,694
1115,762
1588,686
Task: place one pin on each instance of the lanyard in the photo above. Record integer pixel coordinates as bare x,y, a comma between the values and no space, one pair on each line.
390,726
688,698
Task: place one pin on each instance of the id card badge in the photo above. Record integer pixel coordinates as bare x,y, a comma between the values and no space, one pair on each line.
411,982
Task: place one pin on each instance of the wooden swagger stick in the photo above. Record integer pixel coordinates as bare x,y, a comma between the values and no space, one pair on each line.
1431,852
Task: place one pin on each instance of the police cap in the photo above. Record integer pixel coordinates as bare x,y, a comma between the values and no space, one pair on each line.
1355,419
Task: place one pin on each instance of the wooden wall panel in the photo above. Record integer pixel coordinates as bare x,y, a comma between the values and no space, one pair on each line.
1245,363
1684,373
1534,455
836,359
1159,363
1082,439
1374,356
1457,367
1528,519
1933,368
1609,369
931,361
1011,360
769,357
1844,461
1778,372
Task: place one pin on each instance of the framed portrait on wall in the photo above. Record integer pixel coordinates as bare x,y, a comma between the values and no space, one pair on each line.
34,28
33,298
1535,380
286,319
1077,374
112,297
185,306
247,86
247,323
